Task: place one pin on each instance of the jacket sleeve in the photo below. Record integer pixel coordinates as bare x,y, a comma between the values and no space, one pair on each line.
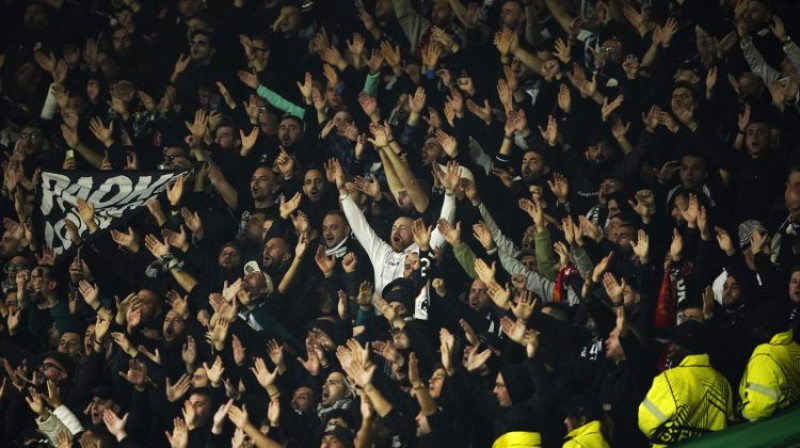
760,389
376,248
414,24
466,258
540,285
51,427
68,419
448,213
504,244
657,408
544,254
793,52
757,63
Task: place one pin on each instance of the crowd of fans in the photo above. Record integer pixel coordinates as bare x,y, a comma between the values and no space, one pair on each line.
403,223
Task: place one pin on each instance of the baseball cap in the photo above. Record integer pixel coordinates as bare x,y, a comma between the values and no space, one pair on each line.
252,266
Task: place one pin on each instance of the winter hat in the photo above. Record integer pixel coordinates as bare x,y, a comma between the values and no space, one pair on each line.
518,382
400,290
691,335
745,231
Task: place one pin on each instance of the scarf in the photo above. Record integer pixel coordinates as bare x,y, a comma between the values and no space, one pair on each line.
340,250
323,411
559,293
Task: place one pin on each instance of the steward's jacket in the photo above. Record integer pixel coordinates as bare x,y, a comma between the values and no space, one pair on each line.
685,402
589,435
518,439
771,380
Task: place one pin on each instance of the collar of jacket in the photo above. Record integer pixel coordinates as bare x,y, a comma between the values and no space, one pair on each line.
593,427
700,360
784,338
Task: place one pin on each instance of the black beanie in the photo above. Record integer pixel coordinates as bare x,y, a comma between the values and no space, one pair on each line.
518,382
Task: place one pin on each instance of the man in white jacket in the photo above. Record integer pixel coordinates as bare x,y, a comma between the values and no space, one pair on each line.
388,258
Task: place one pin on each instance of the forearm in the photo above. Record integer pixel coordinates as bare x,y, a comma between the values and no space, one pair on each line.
291,273
185,280
466,258
227,192
379,402
448,213
418,196
529,59
259,439
395,186
95,159
503,243
426,403
650,55
560,13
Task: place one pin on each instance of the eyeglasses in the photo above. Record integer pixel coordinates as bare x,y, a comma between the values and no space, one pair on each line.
9,268
50,365
171,157
199,43
30,136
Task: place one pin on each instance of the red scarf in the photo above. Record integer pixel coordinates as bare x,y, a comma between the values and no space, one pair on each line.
559,293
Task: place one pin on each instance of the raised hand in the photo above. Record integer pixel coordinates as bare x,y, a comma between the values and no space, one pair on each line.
114,424
86,212
500,296
613,288
214,372
248,140
676,248
609,108
248,78
524,305
514,329
485,273
264,377
155,357
189,352
476,359
641,248
601,267
550,134
286,208
179,389
448,143
480,231
136,374
180,434
156,246
452,234
564,98
103,133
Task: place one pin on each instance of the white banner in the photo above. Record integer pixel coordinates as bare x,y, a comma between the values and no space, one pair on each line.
112,194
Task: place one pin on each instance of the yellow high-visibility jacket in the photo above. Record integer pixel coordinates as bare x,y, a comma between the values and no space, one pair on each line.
518,439
686,401
771,380
587,436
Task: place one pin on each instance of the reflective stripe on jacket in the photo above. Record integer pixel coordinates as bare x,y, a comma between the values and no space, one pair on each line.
685,402
771,380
